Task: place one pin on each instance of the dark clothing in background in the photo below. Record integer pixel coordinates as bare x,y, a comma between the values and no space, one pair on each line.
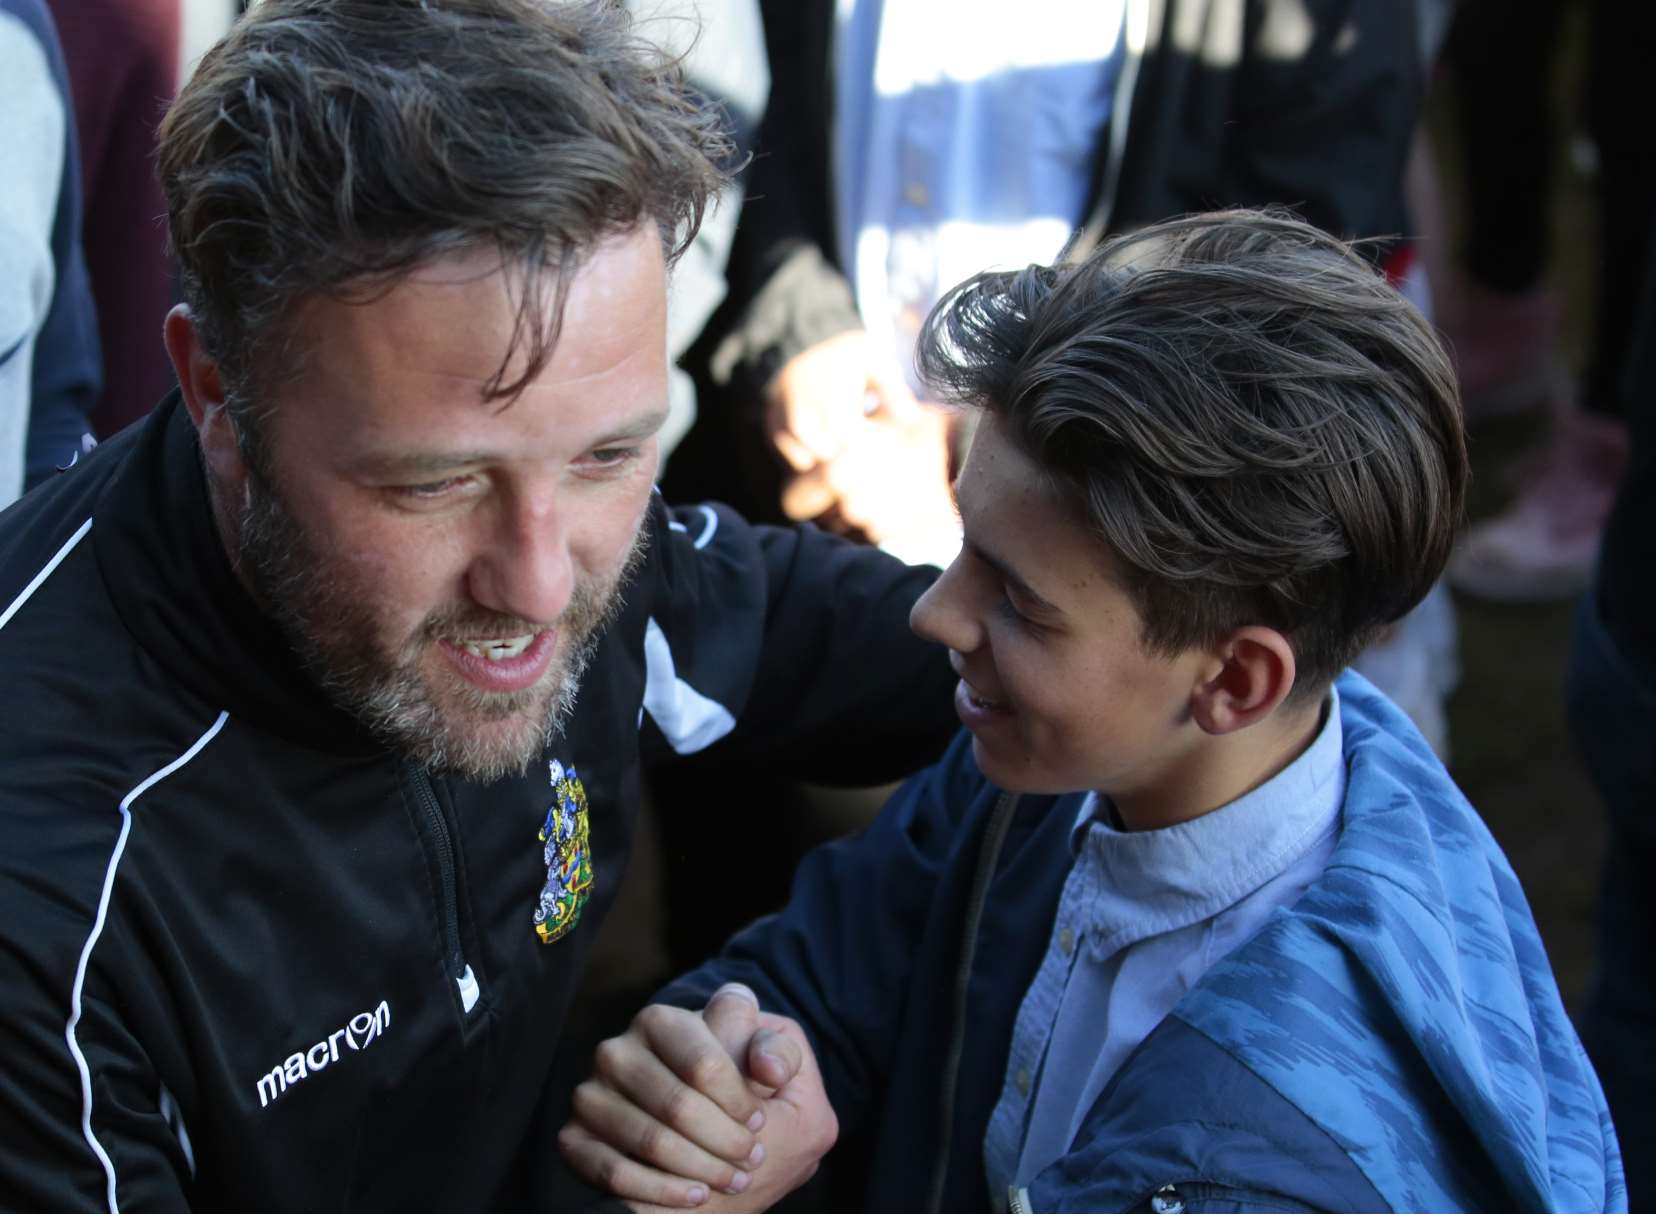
1611,704
1501,54
123,69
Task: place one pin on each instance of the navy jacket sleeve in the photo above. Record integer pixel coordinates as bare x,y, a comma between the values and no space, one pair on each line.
840,956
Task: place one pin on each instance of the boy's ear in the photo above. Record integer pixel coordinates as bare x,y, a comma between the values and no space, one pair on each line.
1256,673
202,387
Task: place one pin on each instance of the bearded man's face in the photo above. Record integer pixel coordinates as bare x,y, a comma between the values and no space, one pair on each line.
444,564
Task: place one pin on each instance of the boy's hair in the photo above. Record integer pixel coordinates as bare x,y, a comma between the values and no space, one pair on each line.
332,146
1256,426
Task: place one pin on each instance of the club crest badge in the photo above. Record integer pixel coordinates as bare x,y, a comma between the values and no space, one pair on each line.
567,852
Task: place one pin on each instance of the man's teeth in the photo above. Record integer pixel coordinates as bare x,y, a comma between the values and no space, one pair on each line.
498,651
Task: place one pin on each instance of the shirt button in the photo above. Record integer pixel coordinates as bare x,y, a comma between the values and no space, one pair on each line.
1066,941
1022,1081
917,194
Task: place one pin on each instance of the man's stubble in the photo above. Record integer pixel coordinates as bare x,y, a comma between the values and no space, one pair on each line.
331,624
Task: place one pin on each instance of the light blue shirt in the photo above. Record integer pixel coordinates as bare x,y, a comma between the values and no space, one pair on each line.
1143,916
966,135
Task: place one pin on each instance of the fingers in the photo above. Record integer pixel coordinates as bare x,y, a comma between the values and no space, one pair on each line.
603,1167
803,1123
672,1067
773,1058
770,1057
625,1129
687,1045
732,1016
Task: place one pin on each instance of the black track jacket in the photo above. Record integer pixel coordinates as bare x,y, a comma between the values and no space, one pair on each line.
249,960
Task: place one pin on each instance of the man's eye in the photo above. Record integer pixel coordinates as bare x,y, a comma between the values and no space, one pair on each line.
611,456
434,489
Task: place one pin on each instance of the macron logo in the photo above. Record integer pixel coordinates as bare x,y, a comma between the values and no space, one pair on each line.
362,1031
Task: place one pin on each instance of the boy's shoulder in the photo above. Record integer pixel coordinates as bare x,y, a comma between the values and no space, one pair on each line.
1405,1004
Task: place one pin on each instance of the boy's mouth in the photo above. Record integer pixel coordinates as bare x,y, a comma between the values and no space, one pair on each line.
982,703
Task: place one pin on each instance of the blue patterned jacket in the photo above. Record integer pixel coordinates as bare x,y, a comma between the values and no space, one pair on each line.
1394,1041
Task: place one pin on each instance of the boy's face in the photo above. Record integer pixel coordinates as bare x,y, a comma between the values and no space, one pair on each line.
1056,686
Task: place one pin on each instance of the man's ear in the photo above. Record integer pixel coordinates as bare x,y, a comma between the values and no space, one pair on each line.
203,391
1256,673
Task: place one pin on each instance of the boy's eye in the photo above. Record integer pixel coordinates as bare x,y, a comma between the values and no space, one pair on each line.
1009,610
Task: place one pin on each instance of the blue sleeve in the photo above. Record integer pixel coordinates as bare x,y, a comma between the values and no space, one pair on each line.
840,956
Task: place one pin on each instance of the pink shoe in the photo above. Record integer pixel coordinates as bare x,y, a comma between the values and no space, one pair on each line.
1543,545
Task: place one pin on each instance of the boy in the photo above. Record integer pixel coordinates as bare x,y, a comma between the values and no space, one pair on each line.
1237,942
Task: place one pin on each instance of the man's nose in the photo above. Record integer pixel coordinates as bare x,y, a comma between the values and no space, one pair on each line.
524,567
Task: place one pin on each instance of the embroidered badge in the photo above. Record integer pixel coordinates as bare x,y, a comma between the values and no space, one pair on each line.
567,854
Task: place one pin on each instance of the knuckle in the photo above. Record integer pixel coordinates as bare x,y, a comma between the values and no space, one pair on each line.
704,1067
650,1141
678,1110
607,1169
610,1056
654,1017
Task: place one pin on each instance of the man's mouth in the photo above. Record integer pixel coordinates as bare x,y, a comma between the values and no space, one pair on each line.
498,650
508,664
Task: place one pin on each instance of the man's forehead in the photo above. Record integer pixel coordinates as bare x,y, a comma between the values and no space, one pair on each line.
463,318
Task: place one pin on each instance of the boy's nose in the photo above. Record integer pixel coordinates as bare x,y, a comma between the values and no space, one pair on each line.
943,614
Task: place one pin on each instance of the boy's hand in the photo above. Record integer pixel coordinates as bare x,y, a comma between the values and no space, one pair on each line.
671,1119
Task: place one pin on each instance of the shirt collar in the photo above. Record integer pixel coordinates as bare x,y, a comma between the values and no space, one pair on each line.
1152,881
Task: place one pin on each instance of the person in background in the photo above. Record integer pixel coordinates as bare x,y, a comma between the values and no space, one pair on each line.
909,143
49,367
1610,700
123,59
1503,323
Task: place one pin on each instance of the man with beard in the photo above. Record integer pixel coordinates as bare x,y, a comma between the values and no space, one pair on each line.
328,689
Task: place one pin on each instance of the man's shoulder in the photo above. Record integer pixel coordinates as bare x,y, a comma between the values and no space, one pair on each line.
85,704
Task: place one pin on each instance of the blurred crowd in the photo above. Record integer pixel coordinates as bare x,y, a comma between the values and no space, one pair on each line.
893,147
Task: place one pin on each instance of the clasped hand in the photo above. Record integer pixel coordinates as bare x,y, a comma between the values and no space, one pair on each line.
721,1109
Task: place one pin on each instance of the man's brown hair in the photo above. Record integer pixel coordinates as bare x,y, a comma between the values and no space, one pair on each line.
1256,426
335,145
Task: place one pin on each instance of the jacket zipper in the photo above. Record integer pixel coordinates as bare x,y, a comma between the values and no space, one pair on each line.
464,980
994,836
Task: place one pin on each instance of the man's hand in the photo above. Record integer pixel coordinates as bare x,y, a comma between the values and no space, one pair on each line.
685,1107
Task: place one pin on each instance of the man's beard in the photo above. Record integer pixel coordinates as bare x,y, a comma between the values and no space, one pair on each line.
332,626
